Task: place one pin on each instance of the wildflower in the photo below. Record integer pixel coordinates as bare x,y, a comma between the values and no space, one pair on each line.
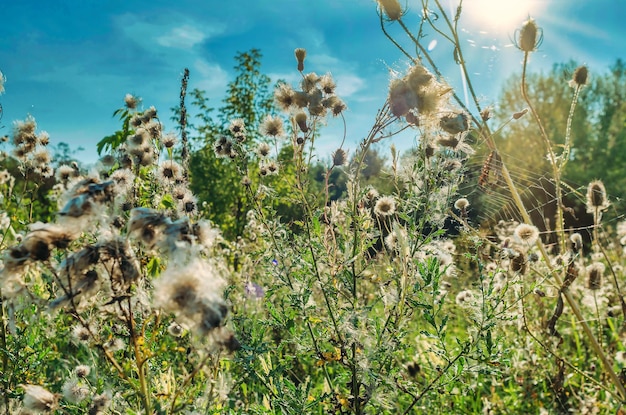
596,197
464,297
518,262
131,101
38,399
270,168
82,371
175,329
327,84
238,129
284,96
576,240
461,204
595,273
169,140
334,104
80,334
526,234
193,293
41,156
300,56
43,138
385,206
149,114
114,345
123,179
339,157
74,391
254,290
99,403
454,123
315,101
309,82
107,161
529,36
402,98
579,79
392,8
272,126
170,171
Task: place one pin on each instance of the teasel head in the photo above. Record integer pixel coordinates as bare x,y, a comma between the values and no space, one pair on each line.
529,36
339,157
596,197
580,77
595,272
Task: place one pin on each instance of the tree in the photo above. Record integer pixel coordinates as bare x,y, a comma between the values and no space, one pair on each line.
217,181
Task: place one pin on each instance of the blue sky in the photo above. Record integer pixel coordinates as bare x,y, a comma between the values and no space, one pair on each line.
70,63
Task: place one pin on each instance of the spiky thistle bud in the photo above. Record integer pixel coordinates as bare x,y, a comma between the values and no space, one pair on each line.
529,37
392,9
300,56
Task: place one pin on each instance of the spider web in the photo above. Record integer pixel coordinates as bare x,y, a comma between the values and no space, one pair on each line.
493,202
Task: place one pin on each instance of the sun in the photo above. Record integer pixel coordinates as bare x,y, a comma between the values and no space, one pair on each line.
499,15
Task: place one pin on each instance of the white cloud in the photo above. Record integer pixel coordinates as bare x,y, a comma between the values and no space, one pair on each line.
348,84
183,37
213,78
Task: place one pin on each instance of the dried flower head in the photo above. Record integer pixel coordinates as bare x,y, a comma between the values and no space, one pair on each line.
596,197
272,127
402,97
82,371
392,9
309,82
327,84
339,157
530,36
385,206
526,234
300,119
285,97
576,240
580,77
170,171
74,391
169,140
300,56
263,149
131,101
454,123
461,204
175,329
38,399
237,128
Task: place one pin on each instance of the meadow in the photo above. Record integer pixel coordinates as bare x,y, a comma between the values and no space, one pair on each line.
228,268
